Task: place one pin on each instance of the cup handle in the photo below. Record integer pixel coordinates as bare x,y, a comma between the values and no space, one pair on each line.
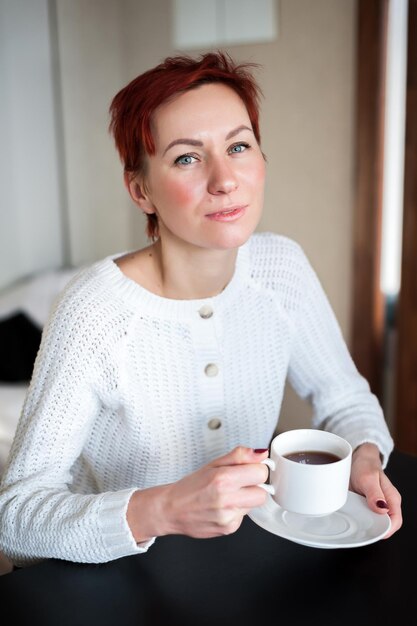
269,488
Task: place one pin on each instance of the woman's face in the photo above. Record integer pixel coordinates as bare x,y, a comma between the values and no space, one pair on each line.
206,180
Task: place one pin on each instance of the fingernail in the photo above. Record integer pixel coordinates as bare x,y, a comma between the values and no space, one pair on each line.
260,450
381,504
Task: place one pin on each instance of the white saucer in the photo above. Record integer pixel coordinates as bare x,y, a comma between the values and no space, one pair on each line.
351,526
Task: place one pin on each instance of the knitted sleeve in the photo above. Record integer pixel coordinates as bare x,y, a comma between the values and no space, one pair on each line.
322,370
40,517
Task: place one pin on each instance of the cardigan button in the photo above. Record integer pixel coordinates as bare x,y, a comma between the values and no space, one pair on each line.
205,312
211,370
214,424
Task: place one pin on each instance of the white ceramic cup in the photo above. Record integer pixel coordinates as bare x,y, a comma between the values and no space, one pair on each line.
305,488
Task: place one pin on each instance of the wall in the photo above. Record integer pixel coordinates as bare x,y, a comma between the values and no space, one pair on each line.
92,59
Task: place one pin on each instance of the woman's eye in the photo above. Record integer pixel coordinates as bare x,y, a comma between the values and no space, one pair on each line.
239,147
185,159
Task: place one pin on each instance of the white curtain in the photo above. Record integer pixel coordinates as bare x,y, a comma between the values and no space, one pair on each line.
30,211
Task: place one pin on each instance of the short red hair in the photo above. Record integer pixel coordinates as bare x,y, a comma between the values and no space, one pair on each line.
132,107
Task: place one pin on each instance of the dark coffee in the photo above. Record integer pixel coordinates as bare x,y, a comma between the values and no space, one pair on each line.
312,457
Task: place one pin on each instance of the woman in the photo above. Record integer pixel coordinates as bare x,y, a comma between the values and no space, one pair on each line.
159,380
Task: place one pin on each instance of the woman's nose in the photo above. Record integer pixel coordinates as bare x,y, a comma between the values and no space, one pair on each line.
222,178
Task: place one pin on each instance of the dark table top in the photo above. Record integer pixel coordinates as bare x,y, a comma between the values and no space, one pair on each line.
234,580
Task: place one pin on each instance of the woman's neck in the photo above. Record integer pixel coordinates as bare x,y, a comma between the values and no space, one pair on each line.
183,274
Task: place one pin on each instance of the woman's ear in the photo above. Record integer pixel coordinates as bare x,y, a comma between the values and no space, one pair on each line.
137,192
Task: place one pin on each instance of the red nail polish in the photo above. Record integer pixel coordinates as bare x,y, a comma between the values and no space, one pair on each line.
260,450
381,504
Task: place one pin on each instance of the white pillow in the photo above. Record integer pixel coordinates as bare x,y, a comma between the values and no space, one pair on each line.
35,295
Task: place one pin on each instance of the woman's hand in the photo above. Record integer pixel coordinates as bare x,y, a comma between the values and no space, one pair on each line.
210,502
368,479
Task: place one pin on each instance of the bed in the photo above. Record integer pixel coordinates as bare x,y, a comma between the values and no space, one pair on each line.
24,308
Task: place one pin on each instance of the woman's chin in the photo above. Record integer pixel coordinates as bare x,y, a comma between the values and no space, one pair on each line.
231,238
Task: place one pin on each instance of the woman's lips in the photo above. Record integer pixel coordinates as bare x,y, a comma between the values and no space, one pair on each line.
227,215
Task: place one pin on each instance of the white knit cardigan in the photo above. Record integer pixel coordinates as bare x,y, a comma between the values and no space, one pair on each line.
132,390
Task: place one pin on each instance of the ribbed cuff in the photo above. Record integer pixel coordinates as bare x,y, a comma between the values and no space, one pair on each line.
115,530
385,447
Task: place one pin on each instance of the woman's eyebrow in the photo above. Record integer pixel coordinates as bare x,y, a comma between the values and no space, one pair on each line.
195,142
237,130
187,142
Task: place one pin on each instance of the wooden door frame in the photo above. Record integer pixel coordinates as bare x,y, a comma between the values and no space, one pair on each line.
405,434
367,336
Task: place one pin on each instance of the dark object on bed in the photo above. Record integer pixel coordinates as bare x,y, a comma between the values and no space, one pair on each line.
19,344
